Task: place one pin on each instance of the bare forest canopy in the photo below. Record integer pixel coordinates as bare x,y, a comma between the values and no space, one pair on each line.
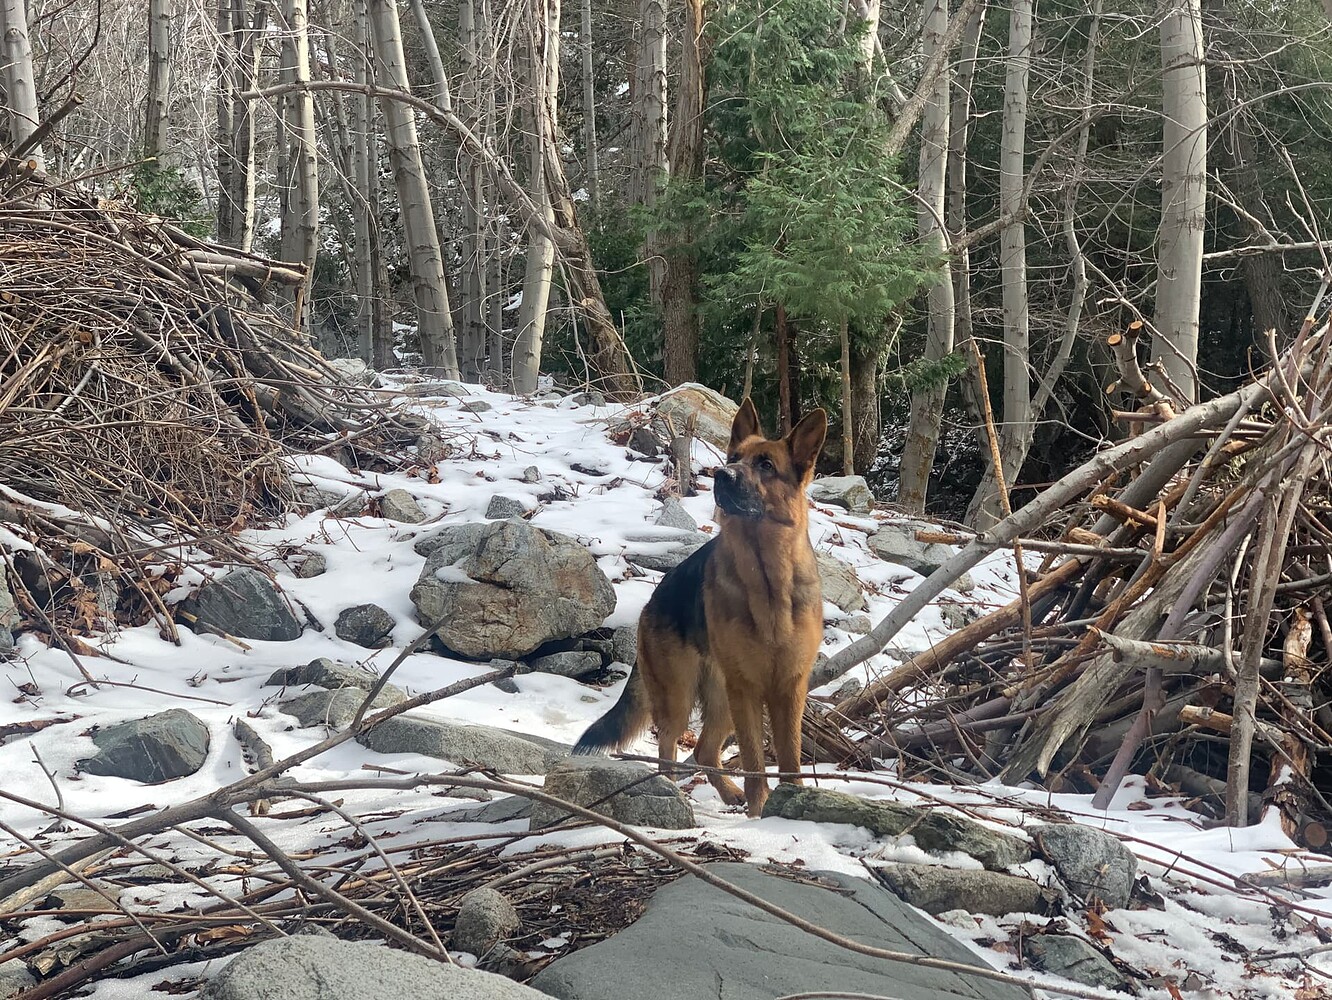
1005,245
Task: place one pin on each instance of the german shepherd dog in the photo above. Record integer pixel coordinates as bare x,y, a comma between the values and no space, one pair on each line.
736,626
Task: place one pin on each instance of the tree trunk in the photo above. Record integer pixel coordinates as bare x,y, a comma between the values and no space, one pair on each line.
679,286
783,337
865,411
956,217
480,356
300,223
543,63
649,115
848,436
922,435
224,104
158,98
236,194
590,151
1183,197
17,75
433,316
1016,430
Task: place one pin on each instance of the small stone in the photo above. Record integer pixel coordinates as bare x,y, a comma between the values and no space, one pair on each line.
575,663
588,399
336,709
451,390
957,615
643,441
857,624
623,790
507,684
531,474
896,543
484,918
501,508
936,889
1073,958
849,687
399,505
352,371
431,448
170,744
1093,864
668,560
848,492
14,978
475,406
485,746
504,810
624,644
325,673
673,515
246,604
840,584
367,625
314,564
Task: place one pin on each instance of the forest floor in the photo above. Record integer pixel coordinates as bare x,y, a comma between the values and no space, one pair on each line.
1205,932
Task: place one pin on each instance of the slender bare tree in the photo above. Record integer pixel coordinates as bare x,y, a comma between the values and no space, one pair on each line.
593,165
922,434
240,44
158,102
543,62
433,316
18,77
1183,197
300,221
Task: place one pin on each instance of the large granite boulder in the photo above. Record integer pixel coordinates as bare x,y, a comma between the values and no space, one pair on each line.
246,604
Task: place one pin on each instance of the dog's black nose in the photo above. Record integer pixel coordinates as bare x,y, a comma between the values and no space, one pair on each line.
724,474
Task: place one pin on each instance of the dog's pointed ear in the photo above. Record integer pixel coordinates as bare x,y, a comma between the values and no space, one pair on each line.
806,440
746,423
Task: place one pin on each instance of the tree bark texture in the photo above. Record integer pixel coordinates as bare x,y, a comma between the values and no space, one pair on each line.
922,434
590,151
300,223
679,286
17,70
1183,197
158,99
236,182
433,316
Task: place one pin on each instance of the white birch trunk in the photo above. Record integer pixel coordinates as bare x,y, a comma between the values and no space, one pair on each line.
238,69
590,113
434,319
922,436
157,102
1183,197
1016,431
300,223
543,75
20,88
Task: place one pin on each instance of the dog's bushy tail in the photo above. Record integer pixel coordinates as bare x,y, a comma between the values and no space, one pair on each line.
629,717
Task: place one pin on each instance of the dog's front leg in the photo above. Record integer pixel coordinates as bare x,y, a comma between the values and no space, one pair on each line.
786,708
747,714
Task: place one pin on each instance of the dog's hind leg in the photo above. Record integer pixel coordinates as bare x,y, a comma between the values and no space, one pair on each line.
670,672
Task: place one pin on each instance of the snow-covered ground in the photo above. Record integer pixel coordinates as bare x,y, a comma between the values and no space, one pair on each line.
1205,937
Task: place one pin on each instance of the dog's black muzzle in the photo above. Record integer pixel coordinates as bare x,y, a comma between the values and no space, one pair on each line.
735,496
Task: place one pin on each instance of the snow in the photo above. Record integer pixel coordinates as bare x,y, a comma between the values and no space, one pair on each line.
1207,915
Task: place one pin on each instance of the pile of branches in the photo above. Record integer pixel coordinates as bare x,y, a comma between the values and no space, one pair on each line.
1177,626
150,385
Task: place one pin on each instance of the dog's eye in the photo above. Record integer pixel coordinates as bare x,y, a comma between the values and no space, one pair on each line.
765,465
732,459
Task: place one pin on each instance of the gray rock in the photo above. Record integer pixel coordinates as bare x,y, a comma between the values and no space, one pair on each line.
336,709
848,492
625,644
643,441
484,918
505,810
431,448
673,515
711,412
740,953
316,967
456,540
9,612
840,583
170,744
857,624
574,663
475,406
897,543
399,505
502,508
531,474
366,625
588,399
668,560
314,564
244,603
14,978
1093,864
353,371
507,684
957,615
936,889
932,829
632,793
519,587
325,673
1073,958
449,390
496,749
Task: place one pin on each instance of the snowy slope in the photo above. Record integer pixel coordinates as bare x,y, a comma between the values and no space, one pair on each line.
1201,939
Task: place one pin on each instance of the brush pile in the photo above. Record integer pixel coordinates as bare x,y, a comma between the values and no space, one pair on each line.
1178,626
149,389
